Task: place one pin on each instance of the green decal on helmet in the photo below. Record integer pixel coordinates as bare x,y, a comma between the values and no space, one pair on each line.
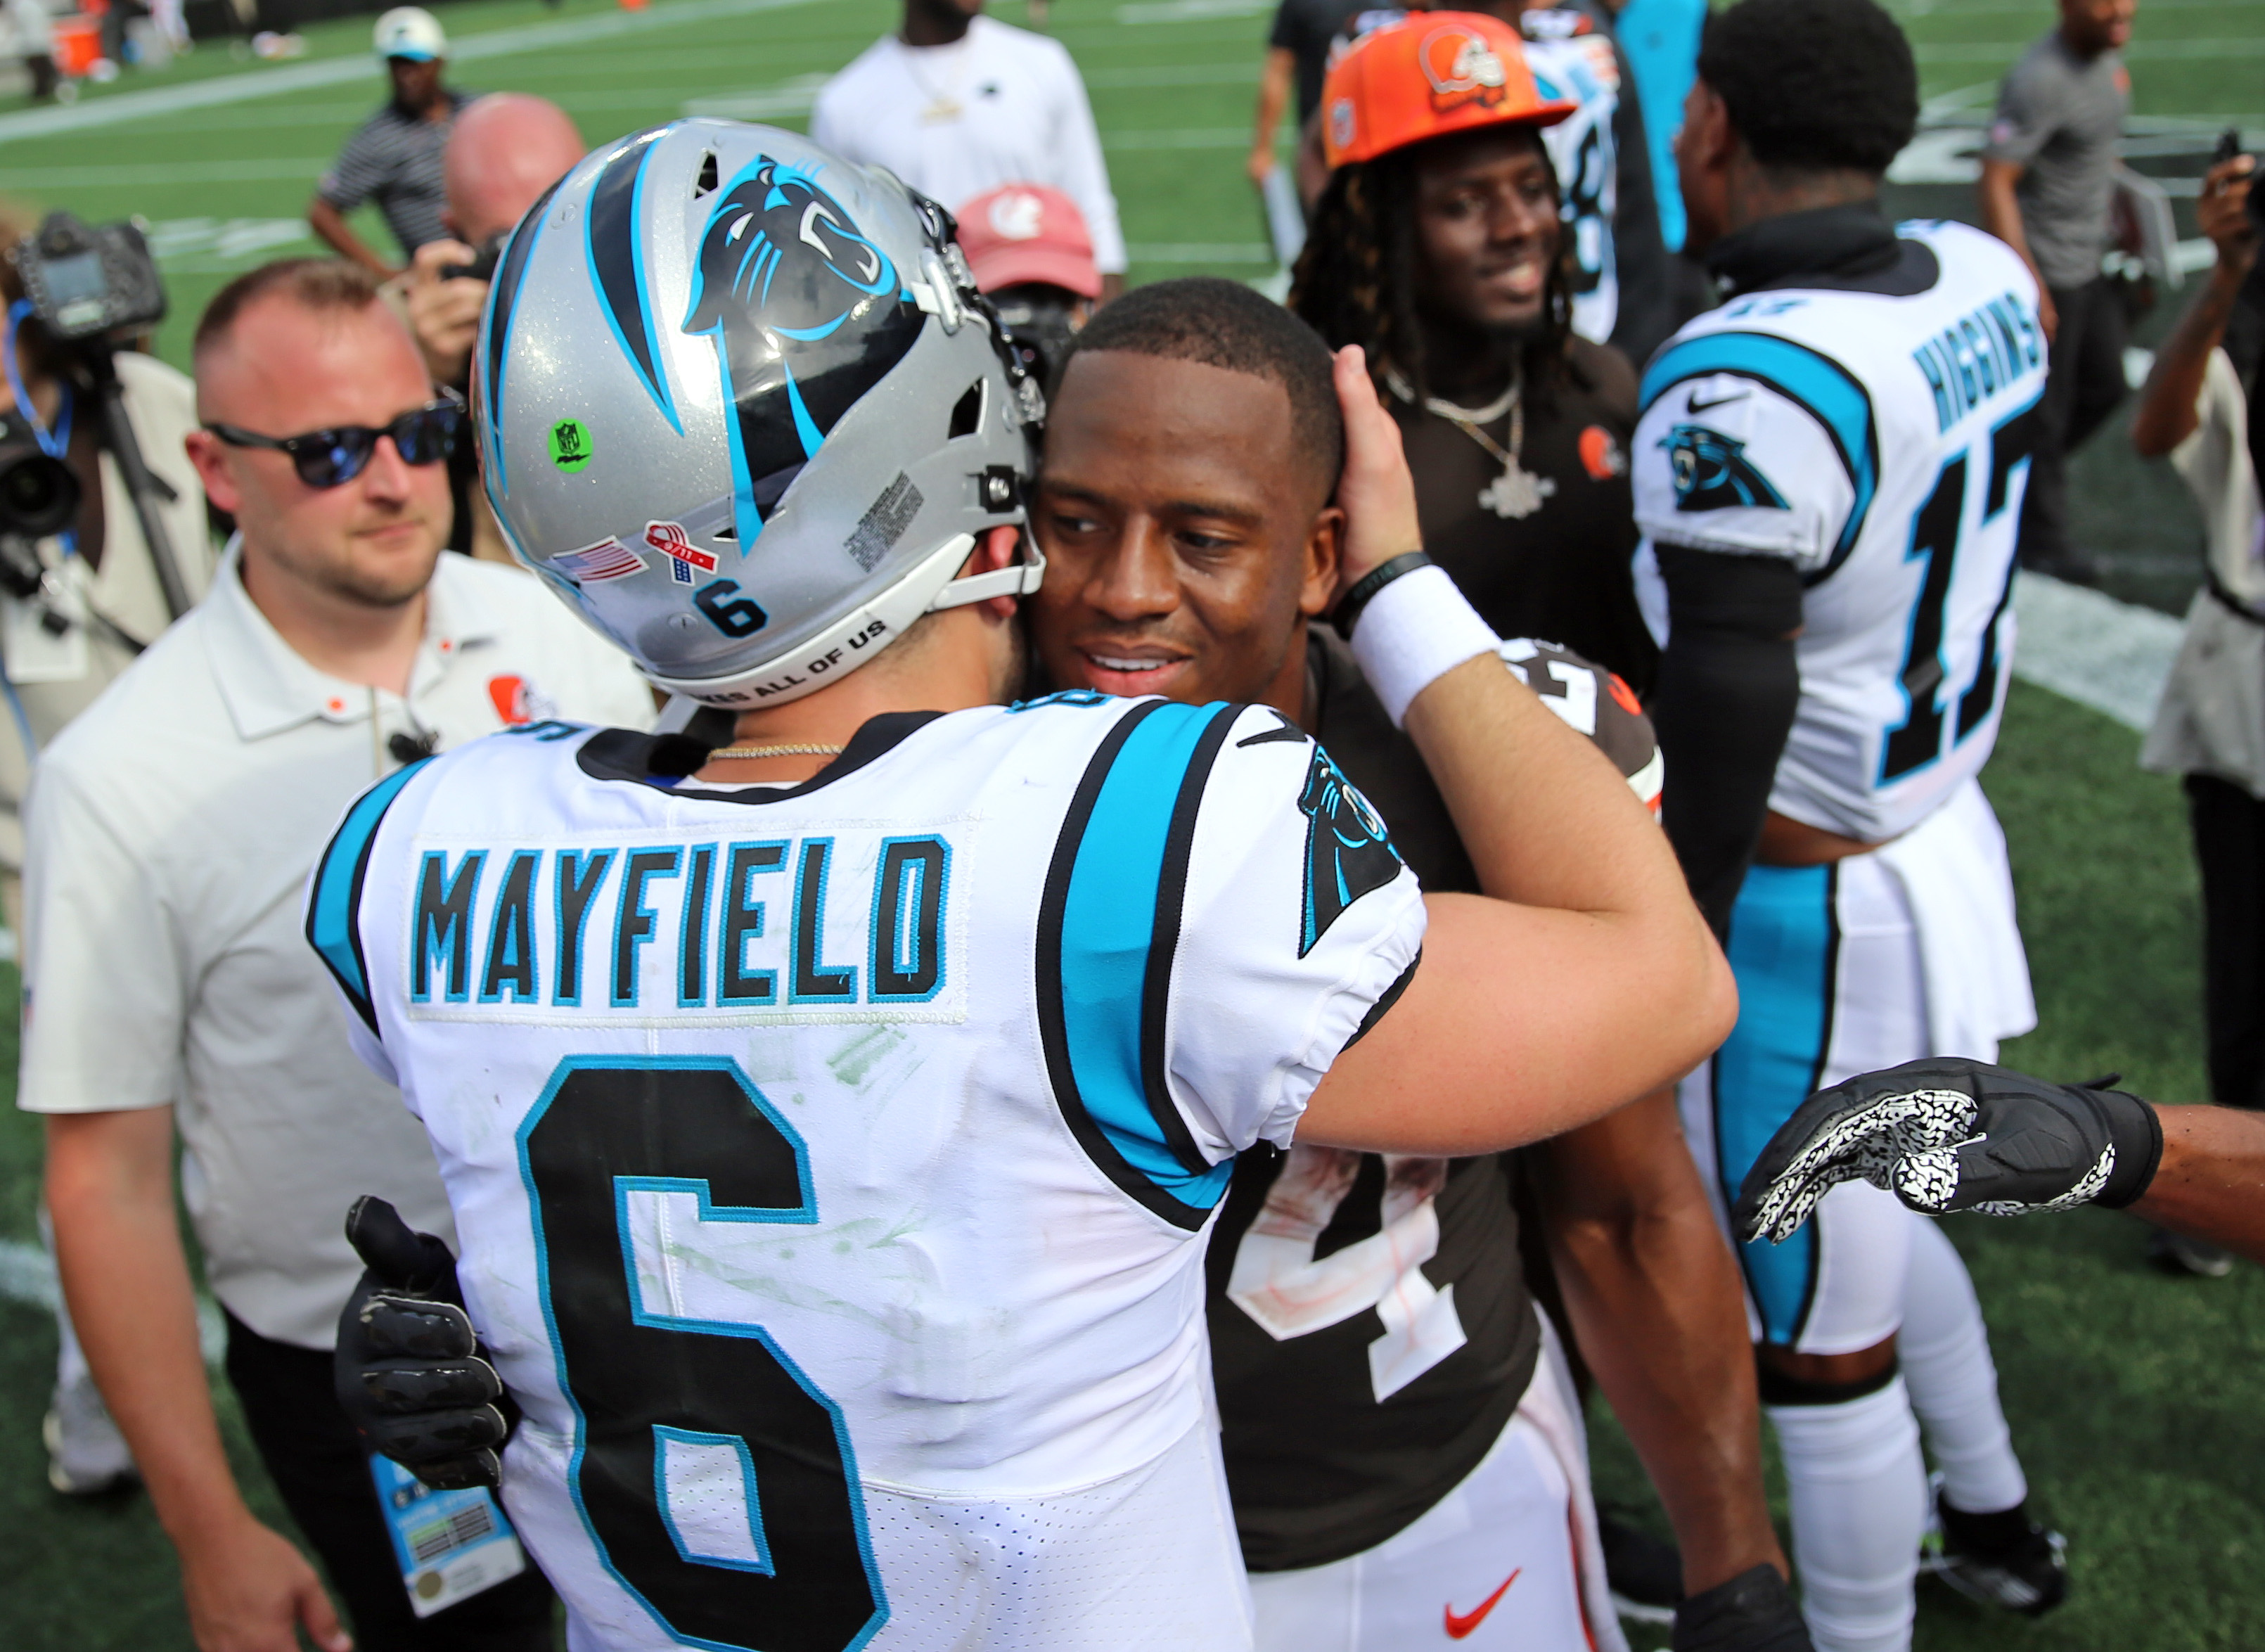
570,444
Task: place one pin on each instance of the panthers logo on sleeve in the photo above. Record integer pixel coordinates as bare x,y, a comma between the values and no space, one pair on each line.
1348,852
1713,473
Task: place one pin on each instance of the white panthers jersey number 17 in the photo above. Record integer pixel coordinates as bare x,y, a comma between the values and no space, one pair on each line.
1879,442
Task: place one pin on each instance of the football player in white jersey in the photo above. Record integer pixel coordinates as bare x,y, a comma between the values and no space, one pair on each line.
833,1100
1828,472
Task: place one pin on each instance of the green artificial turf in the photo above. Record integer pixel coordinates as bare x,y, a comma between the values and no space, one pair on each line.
2134,1398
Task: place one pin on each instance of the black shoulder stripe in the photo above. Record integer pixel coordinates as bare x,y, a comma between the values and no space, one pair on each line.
612,230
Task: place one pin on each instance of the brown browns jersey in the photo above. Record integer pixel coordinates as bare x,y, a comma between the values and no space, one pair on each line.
1370,1328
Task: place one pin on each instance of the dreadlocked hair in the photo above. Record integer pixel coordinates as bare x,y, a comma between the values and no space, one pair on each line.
1355,282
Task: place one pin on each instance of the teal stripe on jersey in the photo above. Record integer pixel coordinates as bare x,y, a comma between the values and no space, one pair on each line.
1783,949
1830,392
337,890
1108,929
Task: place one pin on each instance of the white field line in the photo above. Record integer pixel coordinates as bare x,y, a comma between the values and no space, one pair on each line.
27,1275
267,83
2113,657
2140,51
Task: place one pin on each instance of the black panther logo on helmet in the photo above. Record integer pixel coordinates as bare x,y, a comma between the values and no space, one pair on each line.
806,315
1712,472
1348,853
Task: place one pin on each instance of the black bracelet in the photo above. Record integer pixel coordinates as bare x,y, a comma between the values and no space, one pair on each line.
1364,590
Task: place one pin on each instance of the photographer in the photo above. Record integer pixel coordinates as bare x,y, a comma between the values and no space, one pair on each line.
506,150
2210,725
75,607
100,581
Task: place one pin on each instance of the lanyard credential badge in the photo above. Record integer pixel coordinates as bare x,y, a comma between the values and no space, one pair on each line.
450,1544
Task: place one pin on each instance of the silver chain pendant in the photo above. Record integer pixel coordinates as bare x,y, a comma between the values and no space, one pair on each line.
1516,493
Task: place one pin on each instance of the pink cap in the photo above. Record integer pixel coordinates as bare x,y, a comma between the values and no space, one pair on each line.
1026,232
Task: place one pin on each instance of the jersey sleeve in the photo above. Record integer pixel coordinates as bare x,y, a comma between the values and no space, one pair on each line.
1298,921
334,900
1222,914
1728,460
1590,700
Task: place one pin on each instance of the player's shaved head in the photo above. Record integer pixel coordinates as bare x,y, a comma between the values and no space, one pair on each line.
1225,324
506,149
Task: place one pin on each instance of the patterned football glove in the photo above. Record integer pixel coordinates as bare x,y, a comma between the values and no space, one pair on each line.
408,1369
1949,1134
1752,1613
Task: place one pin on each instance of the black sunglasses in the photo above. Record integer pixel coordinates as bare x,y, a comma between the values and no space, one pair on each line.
332,458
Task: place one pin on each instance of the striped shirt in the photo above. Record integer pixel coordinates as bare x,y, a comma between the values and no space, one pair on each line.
394,158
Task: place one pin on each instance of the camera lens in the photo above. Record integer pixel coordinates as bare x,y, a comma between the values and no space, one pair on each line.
39,495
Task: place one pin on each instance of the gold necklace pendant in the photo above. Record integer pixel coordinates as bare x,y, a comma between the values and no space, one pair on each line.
946,107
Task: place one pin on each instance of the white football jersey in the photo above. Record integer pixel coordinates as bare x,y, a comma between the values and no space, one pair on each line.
832,1164
1582,150
1881,445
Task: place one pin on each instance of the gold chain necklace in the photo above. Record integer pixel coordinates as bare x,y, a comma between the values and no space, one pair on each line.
1516,493
943,104
746,751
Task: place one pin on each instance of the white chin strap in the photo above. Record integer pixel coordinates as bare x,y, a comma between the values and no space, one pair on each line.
866,629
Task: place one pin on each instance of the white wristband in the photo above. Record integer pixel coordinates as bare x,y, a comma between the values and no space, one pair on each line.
1414,632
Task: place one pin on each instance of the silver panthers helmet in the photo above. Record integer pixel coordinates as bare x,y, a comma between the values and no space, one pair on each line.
739,404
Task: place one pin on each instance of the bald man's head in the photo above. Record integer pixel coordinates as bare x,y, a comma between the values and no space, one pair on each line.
506,149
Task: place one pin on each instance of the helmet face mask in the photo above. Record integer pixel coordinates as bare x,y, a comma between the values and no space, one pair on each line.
740,405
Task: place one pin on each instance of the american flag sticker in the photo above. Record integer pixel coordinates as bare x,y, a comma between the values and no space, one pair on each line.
607,559
670,540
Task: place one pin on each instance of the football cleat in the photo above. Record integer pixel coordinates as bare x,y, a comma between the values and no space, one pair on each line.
2028,1574
2175,1253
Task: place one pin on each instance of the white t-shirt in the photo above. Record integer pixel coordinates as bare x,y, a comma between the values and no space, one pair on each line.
833,1166
172,829
999,106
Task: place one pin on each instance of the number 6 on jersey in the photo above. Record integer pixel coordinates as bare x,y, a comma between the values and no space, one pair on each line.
718,1484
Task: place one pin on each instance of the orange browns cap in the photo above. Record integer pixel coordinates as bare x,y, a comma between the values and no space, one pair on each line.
1427,74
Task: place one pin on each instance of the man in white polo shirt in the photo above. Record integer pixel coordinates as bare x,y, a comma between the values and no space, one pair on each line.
171,830
957,103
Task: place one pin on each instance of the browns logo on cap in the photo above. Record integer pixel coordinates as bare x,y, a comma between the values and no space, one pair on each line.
1461,69
1425,76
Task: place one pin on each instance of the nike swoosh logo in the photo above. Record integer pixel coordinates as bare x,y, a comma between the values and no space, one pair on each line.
1694,405
1460,1626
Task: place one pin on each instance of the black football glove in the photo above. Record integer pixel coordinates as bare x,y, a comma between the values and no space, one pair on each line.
1752,1613
1950,1134
408,1369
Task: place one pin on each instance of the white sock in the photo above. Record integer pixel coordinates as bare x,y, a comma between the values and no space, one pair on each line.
1945,1351
1859,1493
